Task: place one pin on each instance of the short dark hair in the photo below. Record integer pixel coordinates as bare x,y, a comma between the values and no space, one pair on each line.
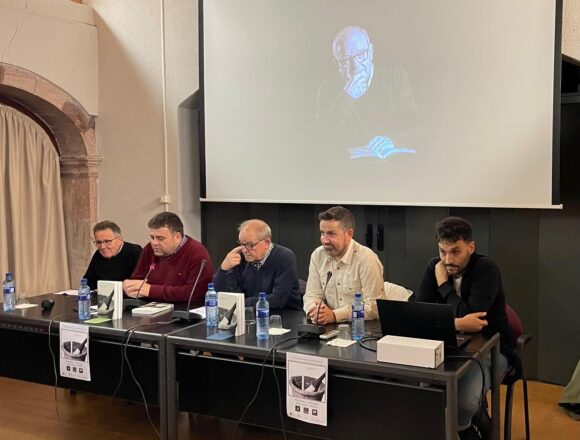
452,229
167,220
340,214
107,224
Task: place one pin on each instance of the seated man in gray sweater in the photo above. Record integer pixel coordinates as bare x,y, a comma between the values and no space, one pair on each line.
258,265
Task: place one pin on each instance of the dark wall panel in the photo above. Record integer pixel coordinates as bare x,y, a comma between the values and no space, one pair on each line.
298,230
559,302
559,264
479,219
420,241
395,255
514,246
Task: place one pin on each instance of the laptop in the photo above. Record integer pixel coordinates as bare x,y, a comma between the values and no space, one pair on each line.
420,320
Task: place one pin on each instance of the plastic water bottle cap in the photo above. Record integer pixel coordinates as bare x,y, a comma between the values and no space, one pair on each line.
210,286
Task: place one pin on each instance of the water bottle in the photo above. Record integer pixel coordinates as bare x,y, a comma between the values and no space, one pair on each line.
211,306
262,317
84,300
358,317
9,289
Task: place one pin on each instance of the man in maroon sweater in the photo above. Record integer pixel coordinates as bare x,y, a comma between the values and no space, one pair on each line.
169,264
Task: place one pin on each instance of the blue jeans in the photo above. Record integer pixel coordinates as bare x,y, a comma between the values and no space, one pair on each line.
469,389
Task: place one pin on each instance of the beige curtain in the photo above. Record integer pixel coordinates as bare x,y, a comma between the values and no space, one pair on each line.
32,237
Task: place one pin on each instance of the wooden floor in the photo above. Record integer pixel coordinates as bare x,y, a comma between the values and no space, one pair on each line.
29,412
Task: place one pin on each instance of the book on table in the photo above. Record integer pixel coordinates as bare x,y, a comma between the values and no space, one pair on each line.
110,298
231,312
152,308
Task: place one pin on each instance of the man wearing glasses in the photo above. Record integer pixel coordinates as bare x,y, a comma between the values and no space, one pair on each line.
258,265
114,259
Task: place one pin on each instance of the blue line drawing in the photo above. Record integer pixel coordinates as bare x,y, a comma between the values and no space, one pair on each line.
379,146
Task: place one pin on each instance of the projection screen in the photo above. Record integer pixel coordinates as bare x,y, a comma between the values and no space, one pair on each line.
394,102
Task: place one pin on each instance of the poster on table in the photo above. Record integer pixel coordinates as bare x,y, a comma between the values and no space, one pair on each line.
307,388
74,351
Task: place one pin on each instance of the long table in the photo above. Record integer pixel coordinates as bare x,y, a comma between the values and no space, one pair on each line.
24,336
367,399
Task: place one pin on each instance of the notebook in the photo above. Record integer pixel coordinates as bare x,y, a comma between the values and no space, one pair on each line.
420,320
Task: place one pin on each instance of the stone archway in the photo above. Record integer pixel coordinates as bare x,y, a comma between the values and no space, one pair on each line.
73,132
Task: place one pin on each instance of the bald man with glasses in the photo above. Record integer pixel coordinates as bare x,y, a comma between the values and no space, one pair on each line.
114,259
258,265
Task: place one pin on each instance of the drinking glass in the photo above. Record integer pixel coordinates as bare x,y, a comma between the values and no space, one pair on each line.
275,321
344,332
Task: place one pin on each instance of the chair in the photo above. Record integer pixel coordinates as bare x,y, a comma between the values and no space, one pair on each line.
302,287
515,373
302,290
396,293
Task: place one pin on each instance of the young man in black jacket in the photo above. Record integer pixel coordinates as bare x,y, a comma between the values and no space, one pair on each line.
471,283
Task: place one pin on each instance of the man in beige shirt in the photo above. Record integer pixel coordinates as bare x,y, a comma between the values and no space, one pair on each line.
346,266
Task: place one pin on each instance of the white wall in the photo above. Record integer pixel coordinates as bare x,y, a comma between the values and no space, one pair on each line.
57,40
130,134
571,28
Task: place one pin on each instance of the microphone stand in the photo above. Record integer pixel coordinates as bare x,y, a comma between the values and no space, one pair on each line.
131,303
186,315
313,331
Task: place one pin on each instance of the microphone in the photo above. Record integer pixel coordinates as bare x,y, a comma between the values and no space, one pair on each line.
129,303
328,277
186,315
313,331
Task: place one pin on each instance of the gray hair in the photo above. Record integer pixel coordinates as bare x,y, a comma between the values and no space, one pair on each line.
261,228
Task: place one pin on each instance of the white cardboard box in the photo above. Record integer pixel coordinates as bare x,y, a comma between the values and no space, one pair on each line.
410,351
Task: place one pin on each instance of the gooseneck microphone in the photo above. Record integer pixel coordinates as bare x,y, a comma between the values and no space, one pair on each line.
313,331
328,277
130,303
186,315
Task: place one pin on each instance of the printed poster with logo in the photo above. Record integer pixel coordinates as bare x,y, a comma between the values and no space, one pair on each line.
74,351
307,388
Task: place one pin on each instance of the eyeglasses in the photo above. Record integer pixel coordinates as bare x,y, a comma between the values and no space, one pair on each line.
361,57
99,243
249,245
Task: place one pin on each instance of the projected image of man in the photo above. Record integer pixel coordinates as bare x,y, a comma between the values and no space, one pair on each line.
353,54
